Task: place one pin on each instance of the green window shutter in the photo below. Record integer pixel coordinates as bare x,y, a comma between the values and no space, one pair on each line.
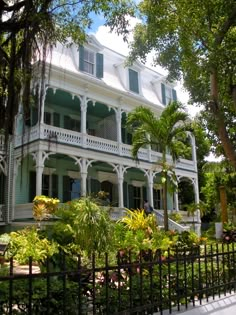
67,122
125,196
129,138
99,65
56,119
66,189
95,186
131,197
47,118
174,95
34,116
123,133
145,194
54,186
32,186
81,58
133,81
163,93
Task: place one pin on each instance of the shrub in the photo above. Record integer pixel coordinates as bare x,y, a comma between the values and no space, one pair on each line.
176,216
84,224
28,243
44,207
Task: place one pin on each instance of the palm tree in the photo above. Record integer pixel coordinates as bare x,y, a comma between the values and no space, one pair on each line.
168,133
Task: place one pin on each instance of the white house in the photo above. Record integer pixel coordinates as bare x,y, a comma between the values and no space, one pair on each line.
77,143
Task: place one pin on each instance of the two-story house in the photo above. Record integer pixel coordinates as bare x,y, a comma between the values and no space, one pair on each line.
77,143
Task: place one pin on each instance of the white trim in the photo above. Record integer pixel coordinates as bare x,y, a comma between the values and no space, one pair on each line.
48,170
74,174
105,176
137,183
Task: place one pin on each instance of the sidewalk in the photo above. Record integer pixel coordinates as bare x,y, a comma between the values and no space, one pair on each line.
225,305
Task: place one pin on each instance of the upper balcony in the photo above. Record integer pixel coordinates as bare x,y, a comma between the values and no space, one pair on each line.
86,141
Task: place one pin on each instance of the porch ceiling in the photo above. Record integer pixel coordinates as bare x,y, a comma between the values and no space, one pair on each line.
62,99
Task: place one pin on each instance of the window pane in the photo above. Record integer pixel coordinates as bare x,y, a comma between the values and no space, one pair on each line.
89,61
168,95
47,118
133,81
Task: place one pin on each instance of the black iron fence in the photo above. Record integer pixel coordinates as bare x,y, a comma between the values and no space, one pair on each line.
147,283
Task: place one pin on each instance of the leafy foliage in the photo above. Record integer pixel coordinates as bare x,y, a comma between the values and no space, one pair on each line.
138,220
44,207
84,225
195,40
29,243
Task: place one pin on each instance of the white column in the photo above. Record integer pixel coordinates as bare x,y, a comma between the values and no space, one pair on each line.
197,200
120,169
121,193
83,174
150,187
83,107
83,126
194,154
15,172
39,172
118,128
118,124
176,198
43,104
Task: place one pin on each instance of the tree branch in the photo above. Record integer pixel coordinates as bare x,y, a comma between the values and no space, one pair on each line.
231,21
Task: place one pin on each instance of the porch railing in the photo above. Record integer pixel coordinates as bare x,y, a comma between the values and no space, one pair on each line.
63,136
146,283
172,224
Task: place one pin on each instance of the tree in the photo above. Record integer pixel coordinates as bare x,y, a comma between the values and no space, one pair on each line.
28,29
195,40
168,133
221,178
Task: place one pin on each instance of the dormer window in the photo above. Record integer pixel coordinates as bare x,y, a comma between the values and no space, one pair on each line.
133,81
90,62
168,94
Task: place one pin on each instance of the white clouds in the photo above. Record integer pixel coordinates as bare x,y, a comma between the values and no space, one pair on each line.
116,43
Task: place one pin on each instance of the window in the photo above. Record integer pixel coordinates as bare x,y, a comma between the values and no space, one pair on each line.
50,185
71,124
157,198
52,119
137,197
91,62
168,94
133,81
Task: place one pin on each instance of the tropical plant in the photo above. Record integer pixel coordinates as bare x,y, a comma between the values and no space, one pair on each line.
168,132
29,243
176,216
44,207
83,225
138,220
